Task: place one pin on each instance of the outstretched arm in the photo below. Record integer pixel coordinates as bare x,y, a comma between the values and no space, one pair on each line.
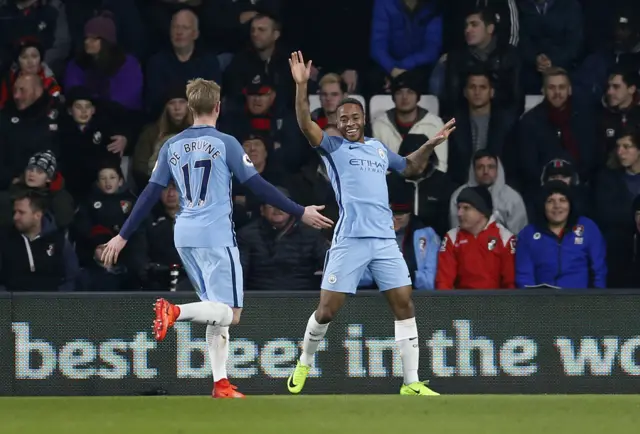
417,160
301,74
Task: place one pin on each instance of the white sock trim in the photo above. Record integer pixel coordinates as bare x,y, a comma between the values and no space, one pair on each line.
406,329
313,335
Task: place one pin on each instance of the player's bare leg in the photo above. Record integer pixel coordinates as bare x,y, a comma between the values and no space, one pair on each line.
406,335
218,345
328,307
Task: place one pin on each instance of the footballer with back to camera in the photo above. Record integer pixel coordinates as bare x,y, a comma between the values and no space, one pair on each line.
201,160
364,236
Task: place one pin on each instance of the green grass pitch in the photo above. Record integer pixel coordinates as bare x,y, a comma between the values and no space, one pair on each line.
352,414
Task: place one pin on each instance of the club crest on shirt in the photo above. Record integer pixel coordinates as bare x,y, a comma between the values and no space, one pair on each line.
443,245
97,138
578,230
126,206
50,250
332,279
611,132
422,243
493,242
381,153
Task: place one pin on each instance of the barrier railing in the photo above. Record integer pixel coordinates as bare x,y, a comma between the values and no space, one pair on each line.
471,342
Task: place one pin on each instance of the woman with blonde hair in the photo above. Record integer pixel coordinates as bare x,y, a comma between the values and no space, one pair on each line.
175,118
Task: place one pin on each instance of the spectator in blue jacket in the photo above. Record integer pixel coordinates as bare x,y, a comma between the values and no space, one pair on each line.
561,248
406,35
550,36
419,244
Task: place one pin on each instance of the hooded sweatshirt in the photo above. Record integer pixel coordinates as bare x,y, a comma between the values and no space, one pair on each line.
508,206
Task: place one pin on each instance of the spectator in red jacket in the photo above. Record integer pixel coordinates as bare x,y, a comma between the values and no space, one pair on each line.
479,253
29,59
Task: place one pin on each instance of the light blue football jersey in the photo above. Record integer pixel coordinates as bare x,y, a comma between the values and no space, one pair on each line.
202,161
358,175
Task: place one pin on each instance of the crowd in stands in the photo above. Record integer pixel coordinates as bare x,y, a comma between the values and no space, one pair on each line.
539,186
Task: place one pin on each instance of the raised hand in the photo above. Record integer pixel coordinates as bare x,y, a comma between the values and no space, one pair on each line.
300,72
443,134
313,218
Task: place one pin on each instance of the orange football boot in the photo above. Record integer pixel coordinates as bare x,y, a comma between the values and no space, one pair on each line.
224,389
166,315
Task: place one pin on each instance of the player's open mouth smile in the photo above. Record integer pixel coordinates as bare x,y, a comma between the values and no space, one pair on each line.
352,131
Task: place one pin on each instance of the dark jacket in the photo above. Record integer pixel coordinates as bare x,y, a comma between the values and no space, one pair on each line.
404,39
84,151
285,259
165,69
279,126
539,142
612,211
99,219
273,174
504,66
500,141
612,122
52,264
226,33
557,32
39,20
247,64
593,74
455,14
310,186
319,44
158,252
25,132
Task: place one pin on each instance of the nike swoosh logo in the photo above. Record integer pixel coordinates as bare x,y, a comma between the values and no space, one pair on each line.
352,147
292,384
417,391
413,339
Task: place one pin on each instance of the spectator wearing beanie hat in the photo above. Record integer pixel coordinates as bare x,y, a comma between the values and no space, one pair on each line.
102,67
560,248
175,118
28,59
99,219
559,169
479,253
90,135
419,244
41,174
407,117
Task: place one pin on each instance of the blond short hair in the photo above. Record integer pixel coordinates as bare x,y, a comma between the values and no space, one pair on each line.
330,78
554,71
202,96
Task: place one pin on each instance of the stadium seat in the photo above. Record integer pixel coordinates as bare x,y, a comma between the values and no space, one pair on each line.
381,103
314,101
531,101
